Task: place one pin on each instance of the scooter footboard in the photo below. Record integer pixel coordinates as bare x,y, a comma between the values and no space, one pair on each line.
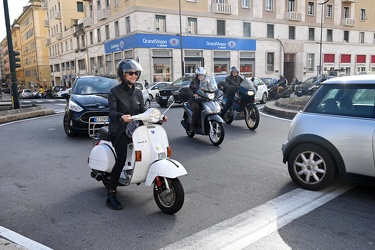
166,168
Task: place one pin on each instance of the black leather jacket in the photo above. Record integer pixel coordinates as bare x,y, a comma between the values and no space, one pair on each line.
233,83
122,101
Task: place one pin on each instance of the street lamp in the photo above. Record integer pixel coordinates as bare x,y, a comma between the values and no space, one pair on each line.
182,52
321,37
281,57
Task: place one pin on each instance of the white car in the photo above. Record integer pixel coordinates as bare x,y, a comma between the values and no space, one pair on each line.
153,89
262,90
146,97
63,93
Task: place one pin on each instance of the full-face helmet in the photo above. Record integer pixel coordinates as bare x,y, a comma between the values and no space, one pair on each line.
128,65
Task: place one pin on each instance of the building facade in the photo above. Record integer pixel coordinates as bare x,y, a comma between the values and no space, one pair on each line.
265,38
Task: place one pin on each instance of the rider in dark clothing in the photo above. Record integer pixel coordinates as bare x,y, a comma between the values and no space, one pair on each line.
195,102
124,101
233,82
281,83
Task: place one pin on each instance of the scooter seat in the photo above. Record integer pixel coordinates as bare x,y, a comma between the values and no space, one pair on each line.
104,133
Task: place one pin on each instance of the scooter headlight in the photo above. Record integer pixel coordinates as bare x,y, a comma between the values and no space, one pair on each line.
155,115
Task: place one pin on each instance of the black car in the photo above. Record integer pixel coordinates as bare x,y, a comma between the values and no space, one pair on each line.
180,85
88,98
310,85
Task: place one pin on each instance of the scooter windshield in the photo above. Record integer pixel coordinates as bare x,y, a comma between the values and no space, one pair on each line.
209,85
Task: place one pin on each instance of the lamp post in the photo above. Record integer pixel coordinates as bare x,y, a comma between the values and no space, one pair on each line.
321,37
281,57
182,52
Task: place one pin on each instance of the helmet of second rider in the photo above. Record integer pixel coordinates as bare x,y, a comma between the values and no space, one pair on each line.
234,69
200,71
128,65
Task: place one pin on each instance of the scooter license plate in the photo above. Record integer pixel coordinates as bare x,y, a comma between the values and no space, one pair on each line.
162,156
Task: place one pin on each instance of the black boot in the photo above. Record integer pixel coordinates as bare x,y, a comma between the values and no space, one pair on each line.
112,202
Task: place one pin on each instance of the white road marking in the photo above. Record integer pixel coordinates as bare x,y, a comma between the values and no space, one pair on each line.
21,240
241,231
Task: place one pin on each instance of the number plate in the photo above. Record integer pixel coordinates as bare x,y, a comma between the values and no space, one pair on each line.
162,156
164,97
101,119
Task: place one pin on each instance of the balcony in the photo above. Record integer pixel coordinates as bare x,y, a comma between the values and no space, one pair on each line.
221,8
349,1
46,23
45,5
104,14
48,42
78,30
57,15
59,36
87,22
348,22
293,16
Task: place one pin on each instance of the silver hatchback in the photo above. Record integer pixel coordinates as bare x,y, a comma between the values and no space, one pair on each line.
334,135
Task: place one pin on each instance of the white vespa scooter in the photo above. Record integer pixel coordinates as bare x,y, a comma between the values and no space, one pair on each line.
147,161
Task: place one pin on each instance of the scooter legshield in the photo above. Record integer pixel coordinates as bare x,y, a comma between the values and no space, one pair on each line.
102,158
165,168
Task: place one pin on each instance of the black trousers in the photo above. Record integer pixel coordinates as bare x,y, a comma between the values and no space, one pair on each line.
196,107
228,104
121,147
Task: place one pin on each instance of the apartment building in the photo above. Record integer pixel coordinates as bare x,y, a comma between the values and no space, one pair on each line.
34,52
5,65
264,38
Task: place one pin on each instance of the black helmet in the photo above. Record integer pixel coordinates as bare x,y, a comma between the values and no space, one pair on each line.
234,68
128,65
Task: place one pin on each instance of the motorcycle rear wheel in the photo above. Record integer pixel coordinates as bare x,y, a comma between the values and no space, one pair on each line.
172,202
217,133
252,116
228,118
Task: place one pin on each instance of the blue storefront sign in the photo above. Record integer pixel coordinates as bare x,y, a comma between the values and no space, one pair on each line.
173,42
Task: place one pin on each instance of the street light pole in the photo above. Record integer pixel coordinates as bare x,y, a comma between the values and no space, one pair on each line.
281,57
321,37
182,52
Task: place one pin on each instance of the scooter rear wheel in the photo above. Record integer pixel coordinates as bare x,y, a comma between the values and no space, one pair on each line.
252,116
171,202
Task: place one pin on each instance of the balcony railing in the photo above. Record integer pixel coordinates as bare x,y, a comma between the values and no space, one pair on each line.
349,1
293,16
48,41
57,15
46,23
348,22
222,8
87,22
59,36
104,14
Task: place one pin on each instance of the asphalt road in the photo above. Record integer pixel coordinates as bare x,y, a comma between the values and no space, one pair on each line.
238,195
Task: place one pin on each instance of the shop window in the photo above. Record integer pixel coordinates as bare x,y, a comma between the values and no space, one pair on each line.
162,65
270,62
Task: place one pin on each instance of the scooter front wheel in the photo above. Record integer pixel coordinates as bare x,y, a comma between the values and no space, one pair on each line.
252,116
169,196
216,133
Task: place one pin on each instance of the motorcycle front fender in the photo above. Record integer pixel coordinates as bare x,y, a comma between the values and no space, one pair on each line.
164,168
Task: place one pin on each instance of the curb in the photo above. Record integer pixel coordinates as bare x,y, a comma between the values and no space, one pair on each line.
24,113
286,107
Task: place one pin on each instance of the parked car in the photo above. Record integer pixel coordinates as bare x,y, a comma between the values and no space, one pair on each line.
88,98
56,89
146,96
153,89
166,94
62,93
310,85
334,135
261,89
269,81
25,94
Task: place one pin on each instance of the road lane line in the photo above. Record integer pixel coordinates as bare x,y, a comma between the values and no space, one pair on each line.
21,240
243,230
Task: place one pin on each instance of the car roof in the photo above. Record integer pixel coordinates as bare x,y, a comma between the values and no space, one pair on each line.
355,79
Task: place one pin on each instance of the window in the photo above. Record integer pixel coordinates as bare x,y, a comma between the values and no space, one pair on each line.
270,62
329,35
311,9
292,32
160,23
98,4
107,3
270,33
115,2
117,57
162,65
220,27
127,24
117,30
246,29
310,62
98,35
311,34
363,16
346,36
91,38
269,5
107,32
329,11
108,64
192,28
346,12
361,37
80,6
221,61
81,64
291,6
245,3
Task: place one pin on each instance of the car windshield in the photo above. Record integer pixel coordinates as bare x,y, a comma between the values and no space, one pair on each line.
93,85
182,81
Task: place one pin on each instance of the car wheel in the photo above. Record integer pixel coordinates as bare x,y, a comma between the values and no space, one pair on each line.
311,167
264,98
151,98
147,104
68,130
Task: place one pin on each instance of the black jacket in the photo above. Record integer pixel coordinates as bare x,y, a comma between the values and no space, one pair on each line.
123,100
233,83
194,86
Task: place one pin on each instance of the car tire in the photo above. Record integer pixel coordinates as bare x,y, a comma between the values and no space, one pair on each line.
68,130
264,98
151,97
147,104
311,167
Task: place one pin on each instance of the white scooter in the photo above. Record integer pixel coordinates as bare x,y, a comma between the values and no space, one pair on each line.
147,161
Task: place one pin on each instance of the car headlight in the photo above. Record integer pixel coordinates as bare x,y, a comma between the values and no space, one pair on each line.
74,107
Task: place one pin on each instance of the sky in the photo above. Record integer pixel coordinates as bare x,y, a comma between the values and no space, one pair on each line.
15,8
